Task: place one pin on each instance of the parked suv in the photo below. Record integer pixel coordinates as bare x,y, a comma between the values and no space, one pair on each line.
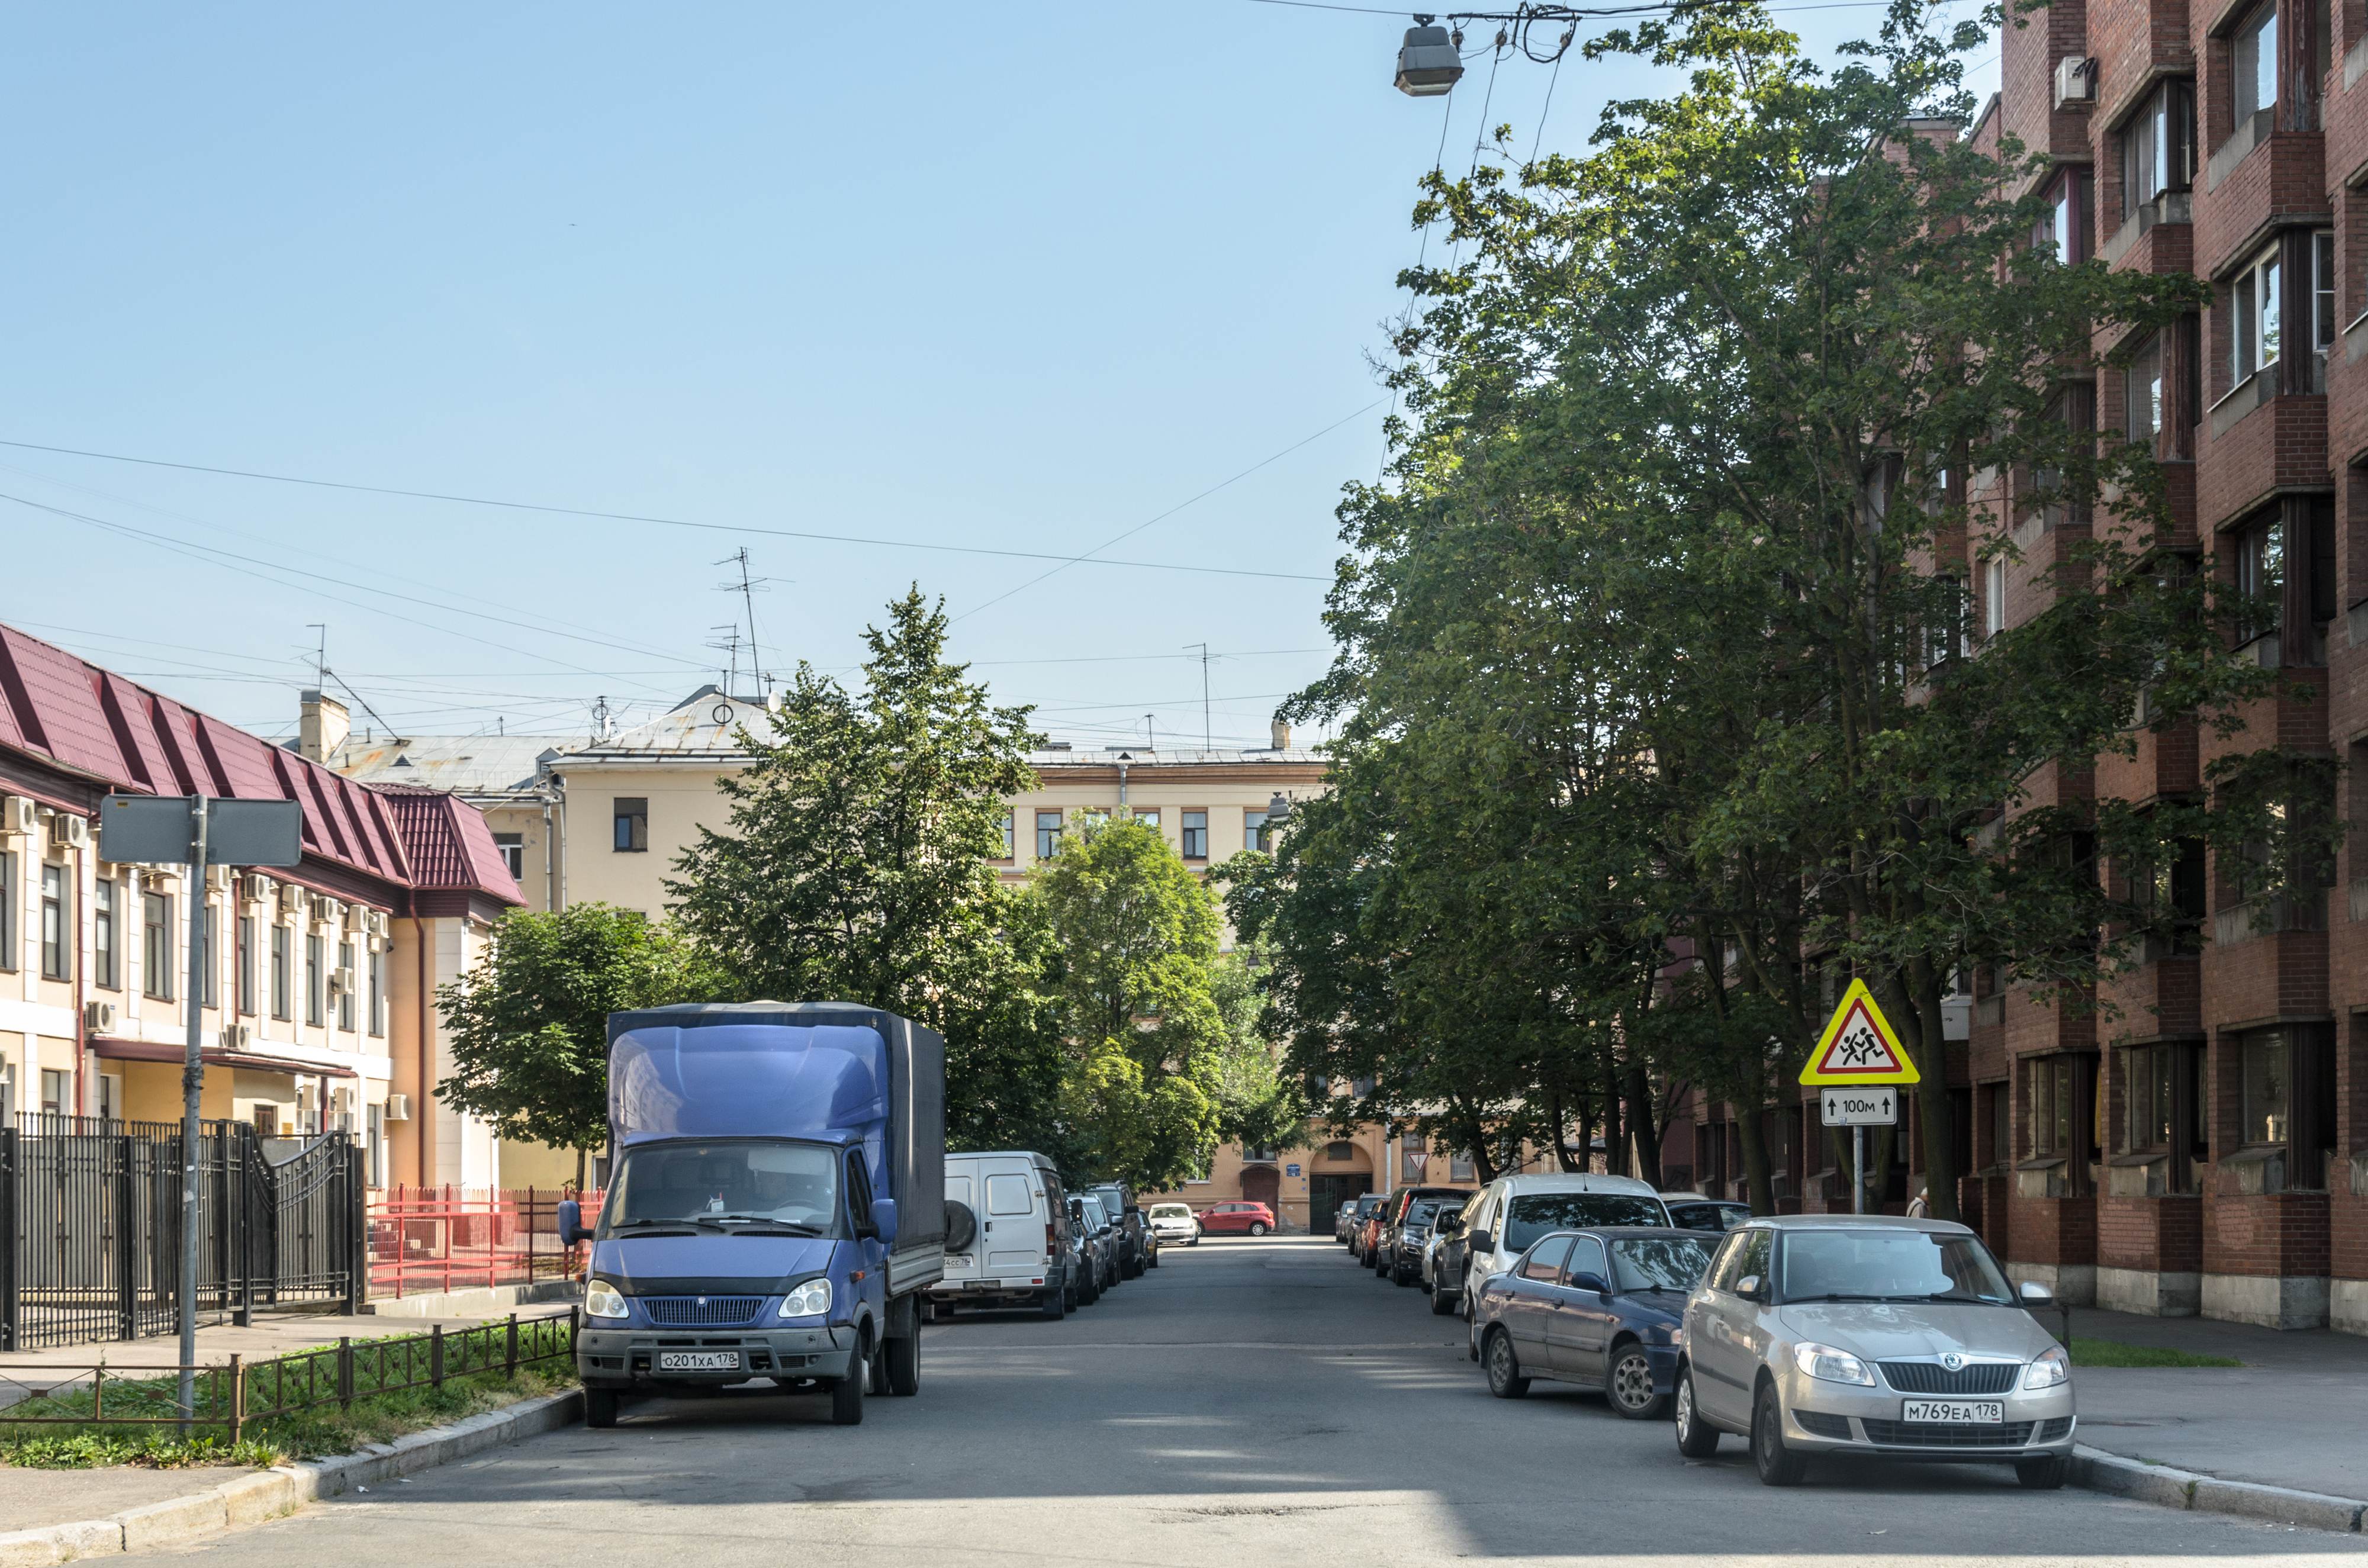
1352,1216
1393,1207
1137,1250
1873,1337
1402,1248
1008,1239
1515,1211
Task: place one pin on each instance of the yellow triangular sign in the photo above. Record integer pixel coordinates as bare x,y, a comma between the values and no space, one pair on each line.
1859,1046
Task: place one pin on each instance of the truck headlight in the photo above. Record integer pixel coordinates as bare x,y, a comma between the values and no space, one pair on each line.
2052,1369
602,1300
810,1300
1834,1366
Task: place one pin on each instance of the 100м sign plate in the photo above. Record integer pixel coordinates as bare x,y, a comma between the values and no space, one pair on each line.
1877,1106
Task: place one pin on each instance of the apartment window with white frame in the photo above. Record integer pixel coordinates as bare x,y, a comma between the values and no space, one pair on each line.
513,850
156,945
2254,62
316,981
2323,304
1994,595
2142,393
1256,835
376,1011
282,964
2158,146
345,992
105,961
1196,835
57,923
2253,301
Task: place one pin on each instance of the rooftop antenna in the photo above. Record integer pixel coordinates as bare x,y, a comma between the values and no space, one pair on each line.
320,654
748,588
729,645
1206,744
599,718
1148,744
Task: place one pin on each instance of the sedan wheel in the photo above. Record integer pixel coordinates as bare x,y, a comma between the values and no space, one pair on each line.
1630,1383
1697,1438
1505,1379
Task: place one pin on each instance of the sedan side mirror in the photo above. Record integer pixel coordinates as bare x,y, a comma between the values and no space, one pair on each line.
1595,1282
883,1220
1751,1288
2035,1294
570,1223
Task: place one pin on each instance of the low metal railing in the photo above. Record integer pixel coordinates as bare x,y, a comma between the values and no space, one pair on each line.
452,1238
235,1393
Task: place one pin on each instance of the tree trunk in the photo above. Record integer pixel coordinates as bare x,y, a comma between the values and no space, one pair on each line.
1750,1123
1938,1110
1615,1123
1555,1116
1645,1128
579,1169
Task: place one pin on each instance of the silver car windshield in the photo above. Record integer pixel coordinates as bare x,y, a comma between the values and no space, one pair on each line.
1659,1263
1890,1265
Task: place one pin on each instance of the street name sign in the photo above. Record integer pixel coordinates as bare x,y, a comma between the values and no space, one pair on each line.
1858,1047
1876,1106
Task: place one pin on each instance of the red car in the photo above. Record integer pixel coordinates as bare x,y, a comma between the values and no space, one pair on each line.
1236,1219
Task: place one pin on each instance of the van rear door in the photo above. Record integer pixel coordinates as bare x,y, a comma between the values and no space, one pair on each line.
1013,1231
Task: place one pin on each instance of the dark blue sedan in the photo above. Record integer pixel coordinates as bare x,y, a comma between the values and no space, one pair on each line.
1603,1307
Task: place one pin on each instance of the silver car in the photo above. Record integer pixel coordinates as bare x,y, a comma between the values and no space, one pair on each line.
1872,1337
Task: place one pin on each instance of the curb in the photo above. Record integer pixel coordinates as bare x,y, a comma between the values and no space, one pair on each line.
479,1301
2100,1472
281,1490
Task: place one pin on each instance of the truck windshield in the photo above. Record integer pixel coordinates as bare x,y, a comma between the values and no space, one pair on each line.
726,1184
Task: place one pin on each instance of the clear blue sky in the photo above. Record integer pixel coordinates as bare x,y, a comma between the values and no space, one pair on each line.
1015,278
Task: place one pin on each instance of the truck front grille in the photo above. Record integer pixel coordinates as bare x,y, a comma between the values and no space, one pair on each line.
703,1312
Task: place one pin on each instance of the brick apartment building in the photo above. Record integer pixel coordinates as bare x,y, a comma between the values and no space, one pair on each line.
2205,1151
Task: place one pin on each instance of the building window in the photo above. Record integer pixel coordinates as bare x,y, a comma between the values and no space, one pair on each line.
2050,1105
513,848
632,819
1148,816
2158,147
2265,1088
1340,1153
1196,835
2255,63
2001,1127
1255,832
2260,548
57,1092
57,925
2253,301
374,1123
156,945
2066,227
2323,303
2142,393
314,1009
282,1002
107,970
245,961
1994,595
377,1007
8,958
2149,1095
209,971
1048,835
1459,1165
346,986
1004,828
266,1119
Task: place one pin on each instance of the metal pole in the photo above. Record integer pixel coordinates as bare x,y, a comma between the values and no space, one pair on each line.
193,1078
1857,1170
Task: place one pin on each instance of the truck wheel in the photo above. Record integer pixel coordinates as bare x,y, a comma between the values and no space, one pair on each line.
878,1365
600,1408
846,1396
904,1359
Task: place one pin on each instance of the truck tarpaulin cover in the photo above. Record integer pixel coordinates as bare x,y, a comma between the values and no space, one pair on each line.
781,1069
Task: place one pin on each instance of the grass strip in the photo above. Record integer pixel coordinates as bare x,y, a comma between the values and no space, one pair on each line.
2088,1352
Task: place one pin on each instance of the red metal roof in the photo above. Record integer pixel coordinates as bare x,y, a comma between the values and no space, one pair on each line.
97,723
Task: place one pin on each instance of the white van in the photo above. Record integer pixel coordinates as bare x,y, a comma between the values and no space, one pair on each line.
1514,1210
1007,1235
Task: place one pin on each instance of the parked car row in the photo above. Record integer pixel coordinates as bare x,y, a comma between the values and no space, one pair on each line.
1805,1334
1017,1237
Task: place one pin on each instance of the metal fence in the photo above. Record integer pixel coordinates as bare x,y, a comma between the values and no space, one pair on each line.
90,1227
457,1238
231,1395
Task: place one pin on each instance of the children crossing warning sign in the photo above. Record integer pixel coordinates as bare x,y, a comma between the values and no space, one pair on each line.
1859,1046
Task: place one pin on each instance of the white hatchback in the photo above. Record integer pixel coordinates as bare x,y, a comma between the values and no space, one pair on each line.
1173,1223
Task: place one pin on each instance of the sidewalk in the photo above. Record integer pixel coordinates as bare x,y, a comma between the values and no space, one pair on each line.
30,1499
2287,1417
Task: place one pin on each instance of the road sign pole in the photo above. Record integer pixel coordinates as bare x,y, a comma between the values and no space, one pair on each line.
1857,1170
193,1078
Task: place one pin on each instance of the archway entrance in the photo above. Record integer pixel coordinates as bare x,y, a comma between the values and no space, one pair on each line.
1262,1184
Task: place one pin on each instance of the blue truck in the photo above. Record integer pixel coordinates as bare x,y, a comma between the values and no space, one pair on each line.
776,1205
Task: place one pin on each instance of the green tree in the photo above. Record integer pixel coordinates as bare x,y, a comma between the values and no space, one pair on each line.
529,1023
1137,938
1258,1106
855,866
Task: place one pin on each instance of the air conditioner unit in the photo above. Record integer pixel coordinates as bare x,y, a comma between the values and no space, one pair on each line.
69,832
398,1108
357,918
98,1014
257,888
19,815
291,898
341,980
235,1036
2075,81
329,911
218,877
375,923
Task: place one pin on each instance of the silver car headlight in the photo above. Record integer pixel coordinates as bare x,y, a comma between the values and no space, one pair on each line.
2052,1369
810,1300
1834,1366
602,1300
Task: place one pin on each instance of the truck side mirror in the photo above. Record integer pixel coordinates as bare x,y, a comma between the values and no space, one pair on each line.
570,1223
1483,1242
883,1220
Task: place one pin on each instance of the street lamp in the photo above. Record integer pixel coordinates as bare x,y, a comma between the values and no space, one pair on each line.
1429,64
1277,811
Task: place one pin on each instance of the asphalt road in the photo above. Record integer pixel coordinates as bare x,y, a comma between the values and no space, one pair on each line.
1246,1403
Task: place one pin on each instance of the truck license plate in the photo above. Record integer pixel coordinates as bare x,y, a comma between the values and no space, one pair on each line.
713,1361
1955,1412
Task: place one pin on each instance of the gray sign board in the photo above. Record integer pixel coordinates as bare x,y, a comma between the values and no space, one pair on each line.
155,829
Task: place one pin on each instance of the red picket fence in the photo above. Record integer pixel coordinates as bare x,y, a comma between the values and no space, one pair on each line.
458,1238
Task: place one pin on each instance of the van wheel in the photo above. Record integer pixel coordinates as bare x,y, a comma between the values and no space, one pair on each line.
902,1357
846,1396
1054,1306
1697,1438
1257,1227
600,1408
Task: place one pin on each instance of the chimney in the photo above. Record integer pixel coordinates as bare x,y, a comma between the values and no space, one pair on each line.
1279,732
323,727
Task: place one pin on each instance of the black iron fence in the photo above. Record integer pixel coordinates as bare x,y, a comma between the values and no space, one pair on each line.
235,1393
90,1227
